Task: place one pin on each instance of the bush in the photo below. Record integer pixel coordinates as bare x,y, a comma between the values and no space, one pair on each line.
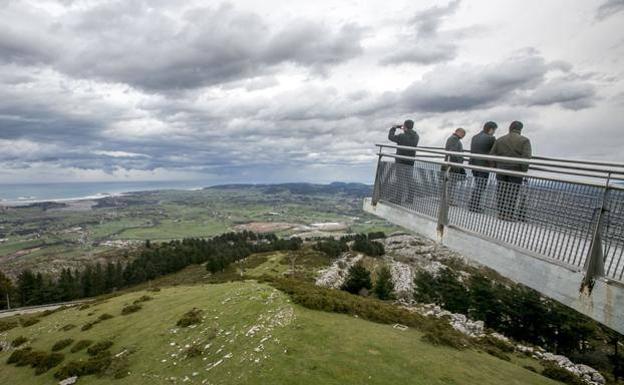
331,247
376,235
384,287
491,342
26,322
94,365
80,345
18,341
40,361
193,351
191,317
358,278
560,374
104,317
144,298
131,309
88,325
99,347
368,247
62,344
442,334
7,325
20,357
68,327
497,353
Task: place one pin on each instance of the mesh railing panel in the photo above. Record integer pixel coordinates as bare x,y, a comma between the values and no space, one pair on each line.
553,219
613,235
415,188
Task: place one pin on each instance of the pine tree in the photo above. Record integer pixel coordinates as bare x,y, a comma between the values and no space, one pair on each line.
358,278
384,287
6,291
26,286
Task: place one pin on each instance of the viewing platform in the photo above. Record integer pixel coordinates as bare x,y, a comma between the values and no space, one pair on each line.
559,228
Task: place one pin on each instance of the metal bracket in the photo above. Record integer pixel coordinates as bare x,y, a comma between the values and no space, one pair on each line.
443,219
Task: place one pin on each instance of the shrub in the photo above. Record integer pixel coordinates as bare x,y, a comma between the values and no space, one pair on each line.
99,347
40,361
18,341
88,325
193,351
497,353
441,333
358,278
131,309
376,235
144,298
20,357
560,374
319,298
62,344
80,345
191,317
104,317
491,342
371,248
46,361
93,365
68,327
331,247
384,287
26,322
118,367
7,325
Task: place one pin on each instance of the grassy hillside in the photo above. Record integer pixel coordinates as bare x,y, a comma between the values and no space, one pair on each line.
250,333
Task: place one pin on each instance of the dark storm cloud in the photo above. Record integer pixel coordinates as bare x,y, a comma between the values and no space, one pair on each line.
461,87
609,8
425,43
131,42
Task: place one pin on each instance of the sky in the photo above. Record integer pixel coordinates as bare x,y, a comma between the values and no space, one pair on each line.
275,91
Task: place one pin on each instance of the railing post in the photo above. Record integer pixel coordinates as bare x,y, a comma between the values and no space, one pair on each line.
594,263
377,185
444,206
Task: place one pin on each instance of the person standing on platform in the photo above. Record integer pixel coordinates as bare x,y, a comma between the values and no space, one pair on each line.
481,143
512,145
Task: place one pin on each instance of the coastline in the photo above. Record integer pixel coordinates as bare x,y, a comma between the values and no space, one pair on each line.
29,200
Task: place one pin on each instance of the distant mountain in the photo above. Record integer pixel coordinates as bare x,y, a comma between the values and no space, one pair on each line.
351,189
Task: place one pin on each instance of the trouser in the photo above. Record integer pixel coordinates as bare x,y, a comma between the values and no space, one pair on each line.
456,176
481,182
507,190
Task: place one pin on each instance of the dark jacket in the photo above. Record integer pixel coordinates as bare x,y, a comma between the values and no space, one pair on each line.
453,143
512,145
408,138
481,143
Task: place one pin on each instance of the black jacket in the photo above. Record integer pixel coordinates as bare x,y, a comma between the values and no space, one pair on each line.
481,144
408,138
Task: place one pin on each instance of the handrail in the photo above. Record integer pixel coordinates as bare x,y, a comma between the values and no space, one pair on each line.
503,171
504,159
554,159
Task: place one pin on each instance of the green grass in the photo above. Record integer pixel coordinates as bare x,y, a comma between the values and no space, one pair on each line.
293,345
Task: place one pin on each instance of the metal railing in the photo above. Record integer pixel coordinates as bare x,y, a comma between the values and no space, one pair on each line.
569,211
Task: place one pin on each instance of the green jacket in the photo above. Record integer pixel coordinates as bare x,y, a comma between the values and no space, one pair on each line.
512,145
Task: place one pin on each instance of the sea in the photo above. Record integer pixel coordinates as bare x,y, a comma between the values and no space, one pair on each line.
11,194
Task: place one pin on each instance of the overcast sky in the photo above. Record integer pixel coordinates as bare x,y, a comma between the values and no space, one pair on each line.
271,91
